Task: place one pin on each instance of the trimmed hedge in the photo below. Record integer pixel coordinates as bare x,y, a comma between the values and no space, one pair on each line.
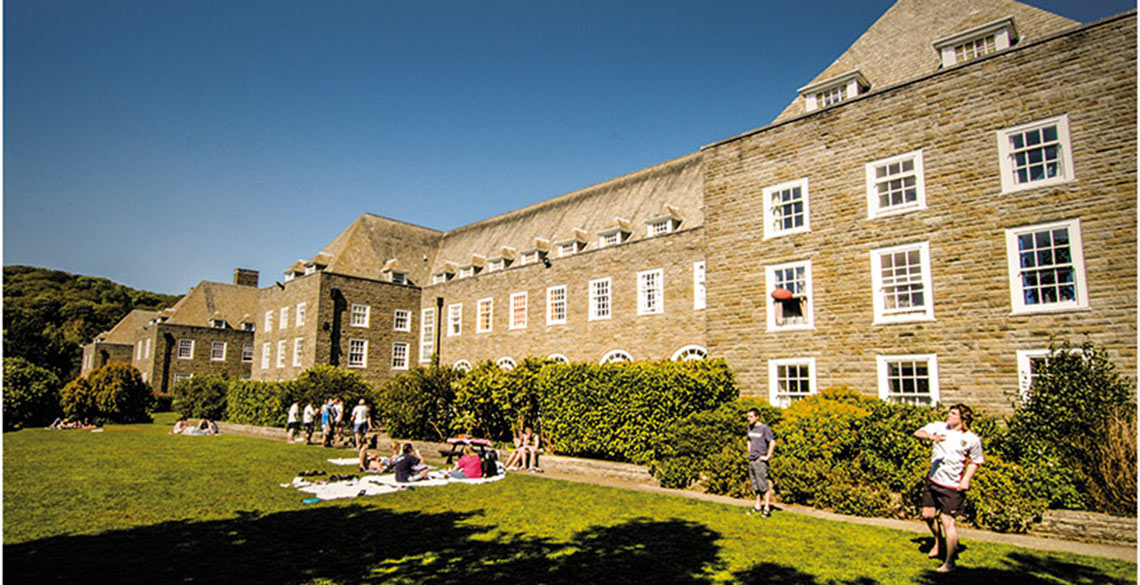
256,403
201,396
420,404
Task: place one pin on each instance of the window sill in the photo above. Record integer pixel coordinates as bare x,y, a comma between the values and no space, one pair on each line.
1009,189
1050,310
903,320
779,328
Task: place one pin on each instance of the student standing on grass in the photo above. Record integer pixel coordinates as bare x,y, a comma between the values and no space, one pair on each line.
361,422
326,422
292,421
956,455
307,417
761,445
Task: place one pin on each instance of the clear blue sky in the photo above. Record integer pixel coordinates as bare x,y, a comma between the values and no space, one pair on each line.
159,143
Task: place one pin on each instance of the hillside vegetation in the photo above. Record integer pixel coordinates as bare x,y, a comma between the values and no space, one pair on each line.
50,314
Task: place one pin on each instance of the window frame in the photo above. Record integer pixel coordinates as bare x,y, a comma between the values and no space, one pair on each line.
428,322
1066,170
784,399
616,356
882,363
1077,260
770,230
883,316
269,320
407,320
189,350
506,360
247,356
353,314
455,320
596,299
874,210
515,323
682,355
363,353
266,355
214,347
300,314
700,290
283,321
489,304
808,304
647,303
551,303
281,346
400,362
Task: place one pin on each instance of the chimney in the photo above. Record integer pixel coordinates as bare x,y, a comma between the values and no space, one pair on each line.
245,277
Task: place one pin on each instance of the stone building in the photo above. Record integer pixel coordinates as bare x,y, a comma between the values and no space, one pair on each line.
116,345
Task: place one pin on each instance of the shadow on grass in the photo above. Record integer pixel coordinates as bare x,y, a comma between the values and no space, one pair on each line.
1023,569
360,544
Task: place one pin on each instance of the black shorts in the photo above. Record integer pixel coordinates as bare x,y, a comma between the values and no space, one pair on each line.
292,426
949,501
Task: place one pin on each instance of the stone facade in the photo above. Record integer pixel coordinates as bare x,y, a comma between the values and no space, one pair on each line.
167,364
952,116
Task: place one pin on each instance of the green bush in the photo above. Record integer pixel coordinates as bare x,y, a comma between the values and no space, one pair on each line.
114,393
620,411
256,403
1000,500
201,396
31,395
419,404
322,381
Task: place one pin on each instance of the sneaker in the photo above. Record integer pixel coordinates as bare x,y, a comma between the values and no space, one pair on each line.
752,511
766,513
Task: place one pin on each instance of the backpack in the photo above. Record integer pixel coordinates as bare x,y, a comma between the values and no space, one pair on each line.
490,461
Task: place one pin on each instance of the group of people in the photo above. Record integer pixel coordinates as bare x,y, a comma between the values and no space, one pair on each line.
331,413
63,424
408,465
185,427
955,457
527,446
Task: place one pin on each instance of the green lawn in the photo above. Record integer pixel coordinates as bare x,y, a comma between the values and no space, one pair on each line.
136,505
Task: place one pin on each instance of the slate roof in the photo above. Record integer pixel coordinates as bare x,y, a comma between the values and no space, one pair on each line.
209,300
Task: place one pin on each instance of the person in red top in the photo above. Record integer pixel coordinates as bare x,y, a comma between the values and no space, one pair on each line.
469,466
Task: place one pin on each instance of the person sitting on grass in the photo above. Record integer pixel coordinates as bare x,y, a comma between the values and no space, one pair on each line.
469,466
374,461
408,462
514,462
179,426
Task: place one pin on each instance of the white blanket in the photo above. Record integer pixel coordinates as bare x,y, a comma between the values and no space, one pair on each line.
375,485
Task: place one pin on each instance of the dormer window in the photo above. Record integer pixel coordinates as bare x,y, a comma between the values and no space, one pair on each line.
572,245
290,276
399,278
218,323
439,277
976,42
466,271
567,248
247,326
310,269
663,226
834,90
528,257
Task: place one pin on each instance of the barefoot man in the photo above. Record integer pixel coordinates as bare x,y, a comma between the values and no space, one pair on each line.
956,455
761,445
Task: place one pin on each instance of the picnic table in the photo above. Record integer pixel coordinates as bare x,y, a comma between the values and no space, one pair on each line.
456,445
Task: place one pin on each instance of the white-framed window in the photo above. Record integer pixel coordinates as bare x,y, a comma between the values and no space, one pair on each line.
786,209
895,185
797,311
1028,362
975,48
281,353
139,350
911,379
600,299
651,292
976,42
217,351
900,278
439,277
218,323
247,353
283,322
567,249
1037,154
529,257
247,326
616,356
359,315
556,305
558,358
1046,267
301,314
496,265
146,349
609,239
518,310
427,333
790,380
455,320
699,294
399,356
266,348
269,320
485,312
399,278
690,353
834,90
180,376
659,227
505,363
357,353
402,320
298,351
466,271
462,366
185,349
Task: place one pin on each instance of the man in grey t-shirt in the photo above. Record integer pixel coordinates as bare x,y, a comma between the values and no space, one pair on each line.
761,445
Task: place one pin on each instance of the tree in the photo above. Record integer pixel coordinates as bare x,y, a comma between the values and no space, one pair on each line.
31,394
113,393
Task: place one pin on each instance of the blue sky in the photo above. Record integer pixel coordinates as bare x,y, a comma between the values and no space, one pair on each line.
160,143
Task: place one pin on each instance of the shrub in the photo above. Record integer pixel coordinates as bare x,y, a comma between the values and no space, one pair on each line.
202,396
619,411
113,393
1000,500
256,403
31,395
322,381
419,404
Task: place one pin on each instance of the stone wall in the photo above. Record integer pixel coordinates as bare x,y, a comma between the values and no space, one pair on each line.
164,363
953,116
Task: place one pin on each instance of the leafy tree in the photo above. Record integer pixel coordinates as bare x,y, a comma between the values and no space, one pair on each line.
31,394
420,403
202,396
323,381
113,393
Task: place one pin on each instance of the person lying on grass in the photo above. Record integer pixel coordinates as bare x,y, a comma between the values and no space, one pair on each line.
61,424
204,427
375,461
409,466
469,466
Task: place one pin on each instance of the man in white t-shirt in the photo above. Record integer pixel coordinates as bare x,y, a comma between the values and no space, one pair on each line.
361,421
293,422
956,455
307,418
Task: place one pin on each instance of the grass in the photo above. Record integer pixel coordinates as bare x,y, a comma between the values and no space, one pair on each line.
136,505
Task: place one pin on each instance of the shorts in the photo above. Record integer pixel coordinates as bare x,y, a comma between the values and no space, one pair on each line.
293,426
360,428
758,475
949,501
309,428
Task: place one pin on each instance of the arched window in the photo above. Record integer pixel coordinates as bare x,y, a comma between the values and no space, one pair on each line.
505,363
616,356
462,366
690,353
557,358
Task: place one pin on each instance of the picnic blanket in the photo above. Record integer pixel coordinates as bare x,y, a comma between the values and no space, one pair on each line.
375,485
